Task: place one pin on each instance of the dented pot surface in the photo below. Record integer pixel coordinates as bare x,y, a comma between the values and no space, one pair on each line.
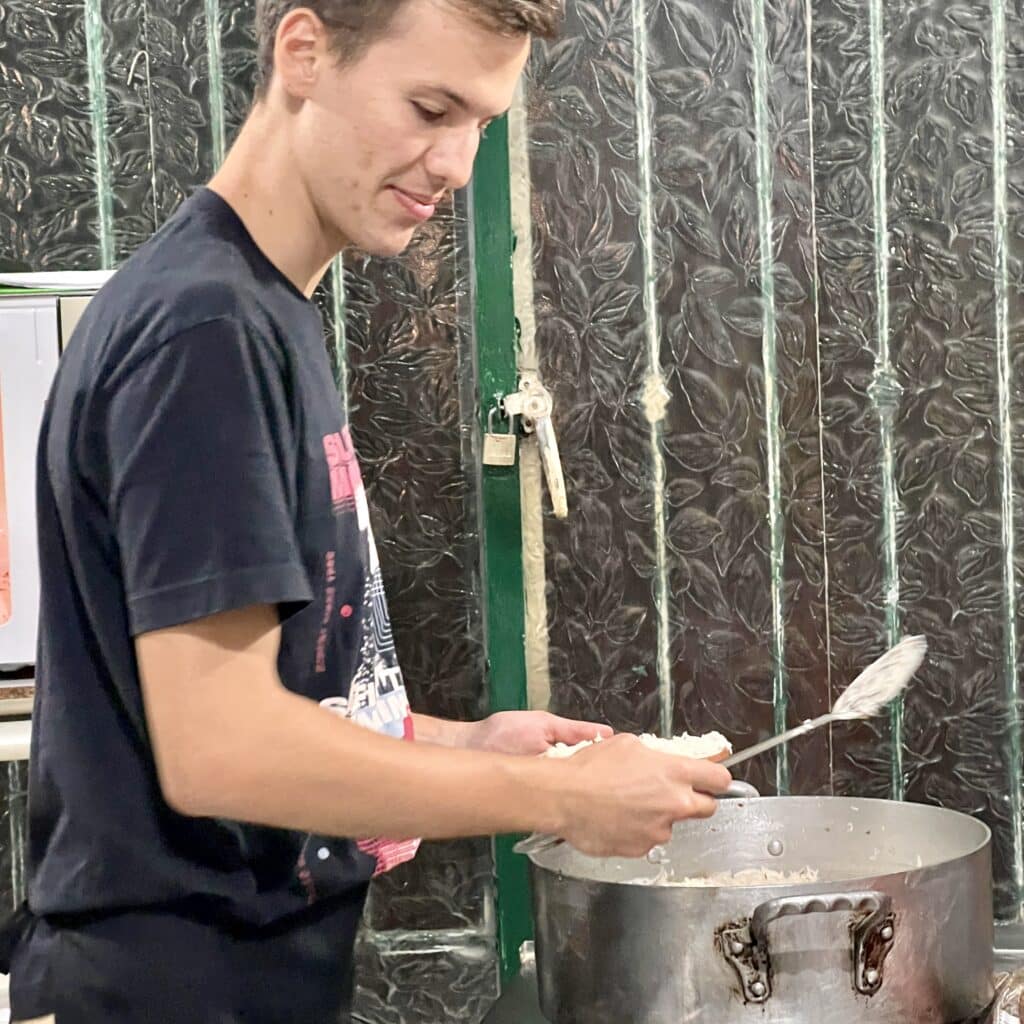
896,928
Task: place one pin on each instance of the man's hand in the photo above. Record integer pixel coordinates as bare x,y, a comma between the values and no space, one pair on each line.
528,732
623,798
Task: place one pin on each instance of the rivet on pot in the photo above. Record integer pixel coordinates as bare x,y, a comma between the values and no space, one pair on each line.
736,947
871,976
887,933
775,848
757,989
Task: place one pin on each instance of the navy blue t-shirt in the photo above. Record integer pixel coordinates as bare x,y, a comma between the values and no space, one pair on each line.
194,459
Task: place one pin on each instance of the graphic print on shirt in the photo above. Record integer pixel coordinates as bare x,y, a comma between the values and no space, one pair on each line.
376,697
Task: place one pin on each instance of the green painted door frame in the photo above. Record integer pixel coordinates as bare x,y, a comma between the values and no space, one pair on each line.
497,367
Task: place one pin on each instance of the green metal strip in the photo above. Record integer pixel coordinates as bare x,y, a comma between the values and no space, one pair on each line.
1004,352
215,65
340,337
885,389
772,398
655,375
98,118
502,518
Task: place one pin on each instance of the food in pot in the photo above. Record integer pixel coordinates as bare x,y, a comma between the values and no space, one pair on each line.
748,876
712,746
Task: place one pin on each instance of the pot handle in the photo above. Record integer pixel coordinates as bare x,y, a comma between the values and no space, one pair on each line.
740,791
745,946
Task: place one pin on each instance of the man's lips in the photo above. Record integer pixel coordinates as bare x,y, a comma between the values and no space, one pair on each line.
417,206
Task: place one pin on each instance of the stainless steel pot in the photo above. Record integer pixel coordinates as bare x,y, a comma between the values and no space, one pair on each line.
897,928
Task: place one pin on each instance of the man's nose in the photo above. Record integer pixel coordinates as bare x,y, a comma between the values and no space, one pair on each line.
451,159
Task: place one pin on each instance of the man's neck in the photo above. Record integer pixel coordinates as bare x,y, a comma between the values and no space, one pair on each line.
260,183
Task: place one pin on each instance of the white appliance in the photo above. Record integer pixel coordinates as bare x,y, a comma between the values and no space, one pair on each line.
33,327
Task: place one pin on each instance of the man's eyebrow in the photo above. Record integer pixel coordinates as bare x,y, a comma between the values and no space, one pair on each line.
462,103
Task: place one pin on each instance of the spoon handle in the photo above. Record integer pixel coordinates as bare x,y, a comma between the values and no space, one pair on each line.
775,741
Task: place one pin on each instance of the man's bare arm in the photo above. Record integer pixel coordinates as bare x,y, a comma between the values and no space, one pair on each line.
231,742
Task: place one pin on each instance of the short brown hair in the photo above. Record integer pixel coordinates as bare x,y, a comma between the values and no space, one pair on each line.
355,24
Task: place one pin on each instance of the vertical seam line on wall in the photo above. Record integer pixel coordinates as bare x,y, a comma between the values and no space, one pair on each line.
885,387
98,123
149,115
215,71
1005,379
653,333
16,831
816,285
467,376
765,189
339,313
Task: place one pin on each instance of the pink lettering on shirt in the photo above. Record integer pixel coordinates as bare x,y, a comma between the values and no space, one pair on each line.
343,467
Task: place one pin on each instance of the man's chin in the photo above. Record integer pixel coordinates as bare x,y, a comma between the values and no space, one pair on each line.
386,245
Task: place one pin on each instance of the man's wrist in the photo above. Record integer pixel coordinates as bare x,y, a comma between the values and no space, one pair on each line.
443,732
548,780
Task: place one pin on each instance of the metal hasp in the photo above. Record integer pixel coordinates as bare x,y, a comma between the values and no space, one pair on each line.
534,404
746,948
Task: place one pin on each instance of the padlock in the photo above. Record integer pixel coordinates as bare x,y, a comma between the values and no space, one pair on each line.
499,449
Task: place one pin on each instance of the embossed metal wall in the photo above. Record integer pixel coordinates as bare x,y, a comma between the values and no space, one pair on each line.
778,276
786,342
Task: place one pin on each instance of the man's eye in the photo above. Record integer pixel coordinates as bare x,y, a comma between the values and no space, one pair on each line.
428,113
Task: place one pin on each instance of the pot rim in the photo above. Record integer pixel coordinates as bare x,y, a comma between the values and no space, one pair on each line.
546,860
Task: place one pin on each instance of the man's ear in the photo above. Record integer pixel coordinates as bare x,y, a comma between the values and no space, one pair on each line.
300,50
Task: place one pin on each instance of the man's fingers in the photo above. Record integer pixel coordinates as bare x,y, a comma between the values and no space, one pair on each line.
706,776
571,732
703,806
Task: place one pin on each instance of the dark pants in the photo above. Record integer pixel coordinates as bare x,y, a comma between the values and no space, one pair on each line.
162,968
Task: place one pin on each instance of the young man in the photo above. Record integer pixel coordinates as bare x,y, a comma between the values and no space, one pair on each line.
218,698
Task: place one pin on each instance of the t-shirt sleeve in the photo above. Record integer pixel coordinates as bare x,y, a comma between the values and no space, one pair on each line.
201,451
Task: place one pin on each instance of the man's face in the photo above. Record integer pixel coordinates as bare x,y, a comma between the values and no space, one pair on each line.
383,140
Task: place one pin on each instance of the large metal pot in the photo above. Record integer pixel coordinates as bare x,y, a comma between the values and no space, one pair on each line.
897,928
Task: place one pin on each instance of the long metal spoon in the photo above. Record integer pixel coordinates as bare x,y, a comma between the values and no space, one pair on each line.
877,686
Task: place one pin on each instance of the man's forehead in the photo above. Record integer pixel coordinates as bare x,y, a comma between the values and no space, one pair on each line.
435,47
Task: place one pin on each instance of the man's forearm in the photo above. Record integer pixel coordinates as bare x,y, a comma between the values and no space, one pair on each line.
317,772
231,742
